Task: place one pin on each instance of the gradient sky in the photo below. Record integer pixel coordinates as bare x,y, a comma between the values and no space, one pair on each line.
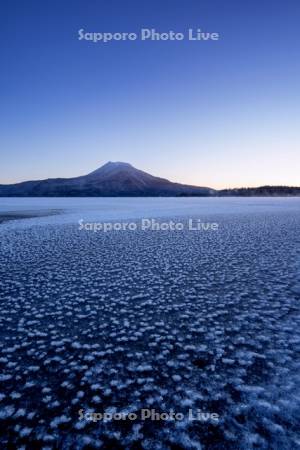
218,114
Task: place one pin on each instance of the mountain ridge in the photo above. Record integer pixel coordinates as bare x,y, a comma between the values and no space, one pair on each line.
117,179
112,179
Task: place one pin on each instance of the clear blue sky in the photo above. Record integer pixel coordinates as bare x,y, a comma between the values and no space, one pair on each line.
219,114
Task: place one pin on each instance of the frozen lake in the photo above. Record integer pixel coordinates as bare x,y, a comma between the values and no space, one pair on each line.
118,322
72,209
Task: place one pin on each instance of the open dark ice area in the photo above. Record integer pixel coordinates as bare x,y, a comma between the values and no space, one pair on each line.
121,321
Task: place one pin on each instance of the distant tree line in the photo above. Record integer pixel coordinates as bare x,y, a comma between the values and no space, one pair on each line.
267,191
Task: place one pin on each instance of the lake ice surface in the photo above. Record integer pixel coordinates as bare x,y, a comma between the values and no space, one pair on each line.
122,321
73,209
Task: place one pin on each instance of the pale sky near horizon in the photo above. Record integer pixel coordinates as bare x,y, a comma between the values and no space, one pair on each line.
218,114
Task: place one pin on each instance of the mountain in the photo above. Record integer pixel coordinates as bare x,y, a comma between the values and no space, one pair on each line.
114,179
119,179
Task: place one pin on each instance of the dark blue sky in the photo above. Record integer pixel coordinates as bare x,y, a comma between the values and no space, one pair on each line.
222,113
